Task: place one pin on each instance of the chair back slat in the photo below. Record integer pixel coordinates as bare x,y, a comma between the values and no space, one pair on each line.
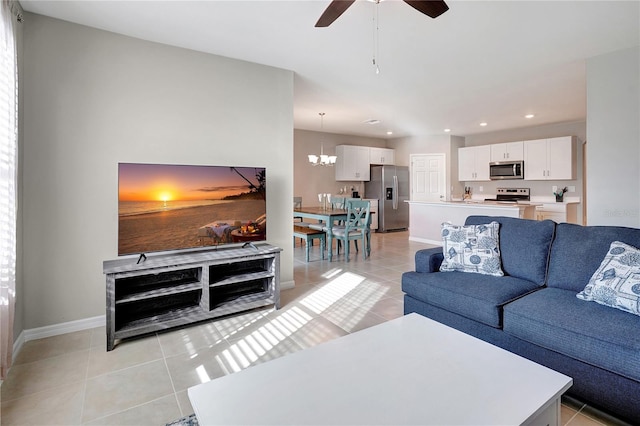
338,202
358,215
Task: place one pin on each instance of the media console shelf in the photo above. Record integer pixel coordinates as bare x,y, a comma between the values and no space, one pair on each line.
170,290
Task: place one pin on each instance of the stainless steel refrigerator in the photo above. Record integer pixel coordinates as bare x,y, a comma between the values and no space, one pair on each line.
390,185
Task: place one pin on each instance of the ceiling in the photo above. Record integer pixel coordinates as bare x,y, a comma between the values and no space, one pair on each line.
491,61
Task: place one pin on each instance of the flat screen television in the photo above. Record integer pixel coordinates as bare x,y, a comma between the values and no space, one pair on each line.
166,207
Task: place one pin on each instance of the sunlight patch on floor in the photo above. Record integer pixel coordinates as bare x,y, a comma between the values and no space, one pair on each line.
249,349
321,299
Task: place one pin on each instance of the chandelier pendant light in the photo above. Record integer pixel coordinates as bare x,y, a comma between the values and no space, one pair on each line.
322,159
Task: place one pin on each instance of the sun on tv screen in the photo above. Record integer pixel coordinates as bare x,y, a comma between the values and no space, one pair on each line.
163,207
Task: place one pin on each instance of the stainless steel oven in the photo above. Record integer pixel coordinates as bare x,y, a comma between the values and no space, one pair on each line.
506,170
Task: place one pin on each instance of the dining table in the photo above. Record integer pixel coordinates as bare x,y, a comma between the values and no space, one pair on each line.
329,216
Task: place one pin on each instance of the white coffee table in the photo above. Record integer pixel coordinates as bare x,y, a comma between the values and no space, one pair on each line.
411,370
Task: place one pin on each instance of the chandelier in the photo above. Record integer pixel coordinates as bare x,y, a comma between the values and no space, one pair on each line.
322,159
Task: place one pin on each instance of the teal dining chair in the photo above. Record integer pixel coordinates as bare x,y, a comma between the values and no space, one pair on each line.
356,227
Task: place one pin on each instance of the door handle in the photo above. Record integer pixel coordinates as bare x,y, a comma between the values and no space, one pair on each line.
395,192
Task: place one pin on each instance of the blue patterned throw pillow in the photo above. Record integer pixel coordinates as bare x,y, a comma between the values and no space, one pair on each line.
616,283
471,248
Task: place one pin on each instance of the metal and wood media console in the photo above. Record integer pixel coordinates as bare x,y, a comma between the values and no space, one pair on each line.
170,290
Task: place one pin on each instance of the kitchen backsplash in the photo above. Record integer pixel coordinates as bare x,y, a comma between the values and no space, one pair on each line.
541,191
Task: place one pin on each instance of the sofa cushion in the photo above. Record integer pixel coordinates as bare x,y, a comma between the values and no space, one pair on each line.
598,335
616,283
475,296
471,248
577,252
524,245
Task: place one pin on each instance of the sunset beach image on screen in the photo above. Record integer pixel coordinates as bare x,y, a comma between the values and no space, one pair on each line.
165,207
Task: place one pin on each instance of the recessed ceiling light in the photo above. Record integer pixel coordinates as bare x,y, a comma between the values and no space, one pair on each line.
389,132
484,123
447,130
529,116
371,121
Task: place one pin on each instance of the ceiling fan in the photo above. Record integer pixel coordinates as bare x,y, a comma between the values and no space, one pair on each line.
431,8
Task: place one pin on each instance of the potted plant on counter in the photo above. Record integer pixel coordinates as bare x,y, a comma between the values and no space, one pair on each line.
560,194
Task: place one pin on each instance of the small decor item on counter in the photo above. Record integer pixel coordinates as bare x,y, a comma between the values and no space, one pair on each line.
560,194
467,193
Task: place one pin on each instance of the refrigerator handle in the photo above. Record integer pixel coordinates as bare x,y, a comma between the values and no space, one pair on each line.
395,192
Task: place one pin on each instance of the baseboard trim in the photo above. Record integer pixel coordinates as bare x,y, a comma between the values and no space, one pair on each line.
17,344
65,327
56,330
426,241
286,285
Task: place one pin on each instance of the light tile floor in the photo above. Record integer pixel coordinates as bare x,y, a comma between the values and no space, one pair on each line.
72,380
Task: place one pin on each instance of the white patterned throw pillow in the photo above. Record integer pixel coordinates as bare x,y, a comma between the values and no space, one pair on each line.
616,283
471,248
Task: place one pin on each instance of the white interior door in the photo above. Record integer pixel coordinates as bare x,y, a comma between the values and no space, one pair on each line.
428,177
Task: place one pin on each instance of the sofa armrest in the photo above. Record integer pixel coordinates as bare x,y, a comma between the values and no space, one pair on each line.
429,260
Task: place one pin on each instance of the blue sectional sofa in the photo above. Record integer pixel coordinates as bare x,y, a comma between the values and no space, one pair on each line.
533,310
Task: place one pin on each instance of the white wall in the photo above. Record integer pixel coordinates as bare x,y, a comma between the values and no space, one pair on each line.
93,99
613,130
311,180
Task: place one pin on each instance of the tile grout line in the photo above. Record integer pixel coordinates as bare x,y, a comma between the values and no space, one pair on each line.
143,403
86,378
122,411
166,366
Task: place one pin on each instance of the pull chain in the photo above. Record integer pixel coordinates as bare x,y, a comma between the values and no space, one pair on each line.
375,37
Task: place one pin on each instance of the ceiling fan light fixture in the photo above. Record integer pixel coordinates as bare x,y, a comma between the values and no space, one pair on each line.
431,8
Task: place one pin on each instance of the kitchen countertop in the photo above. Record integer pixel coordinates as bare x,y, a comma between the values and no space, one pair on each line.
479,203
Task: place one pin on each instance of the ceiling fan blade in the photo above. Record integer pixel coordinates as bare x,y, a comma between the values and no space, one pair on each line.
333,12
432,8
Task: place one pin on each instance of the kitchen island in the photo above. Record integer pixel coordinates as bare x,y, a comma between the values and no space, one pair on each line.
426,218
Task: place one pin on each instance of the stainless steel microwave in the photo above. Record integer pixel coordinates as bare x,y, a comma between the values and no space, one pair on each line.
506,170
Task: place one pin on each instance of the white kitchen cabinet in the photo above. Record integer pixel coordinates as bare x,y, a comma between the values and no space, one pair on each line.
550,159
352,163
473,163
511,151
384,156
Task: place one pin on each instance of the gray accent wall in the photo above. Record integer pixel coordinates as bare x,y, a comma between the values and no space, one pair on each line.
93,99
613,139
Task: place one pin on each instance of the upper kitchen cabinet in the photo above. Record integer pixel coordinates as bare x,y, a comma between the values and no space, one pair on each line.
382,156
352,163
550,159
511,151
473,163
